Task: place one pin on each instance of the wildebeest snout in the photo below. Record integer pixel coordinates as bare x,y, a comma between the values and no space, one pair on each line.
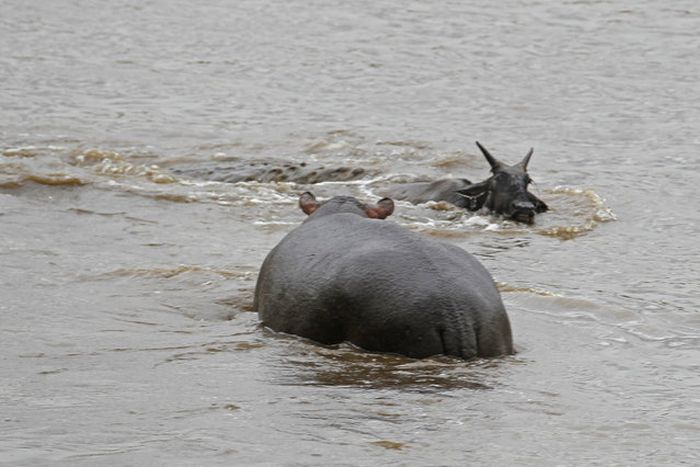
523,211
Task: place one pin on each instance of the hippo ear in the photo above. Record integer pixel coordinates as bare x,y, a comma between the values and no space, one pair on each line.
526,160
474,196
383,209
495,165
308,203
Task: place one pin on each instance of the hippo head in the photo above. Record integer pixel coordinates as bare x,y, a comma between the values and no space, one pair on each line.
505,192
350,204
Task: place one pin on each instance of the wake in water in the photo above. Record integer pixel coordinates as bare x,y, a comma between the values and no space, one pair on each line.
574,211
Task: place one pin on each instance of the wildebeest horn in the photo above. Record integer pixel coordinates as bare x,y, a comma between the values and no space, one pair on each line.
526,160
492,160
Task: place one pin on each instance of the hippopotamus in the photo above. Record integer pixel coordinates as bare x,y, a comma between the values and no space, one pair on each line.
505,192
347,275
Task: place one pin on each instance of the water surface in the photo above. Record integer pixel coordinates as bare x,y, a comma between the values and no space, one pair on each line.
127,335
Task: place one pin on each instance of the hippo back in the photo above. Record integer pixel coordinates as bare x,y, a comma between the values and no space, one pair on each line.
342,277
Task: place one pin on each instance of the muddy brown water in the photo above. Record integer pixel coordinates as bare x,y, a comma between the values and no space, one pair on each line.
127,336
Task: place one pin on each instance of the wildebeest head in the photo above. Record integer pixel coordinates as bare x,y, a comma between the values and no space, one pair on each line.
337,204
505,192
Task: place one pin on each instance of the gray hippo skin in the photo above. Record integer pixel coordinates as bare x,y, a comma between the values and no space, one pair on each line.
346,275
505,192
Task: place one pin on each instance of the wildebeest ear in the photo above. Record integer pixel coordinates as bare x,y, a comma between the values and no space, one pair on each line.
383,209
475,195
540,205
308,203
475,189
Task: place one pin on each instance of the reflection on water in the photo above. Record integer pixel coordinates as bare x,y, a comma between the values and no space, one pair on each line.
345,365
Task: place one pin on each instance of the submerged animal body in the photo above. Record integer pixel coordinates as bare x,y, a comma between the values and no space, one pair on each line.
443,189
346,275
265,171
505,192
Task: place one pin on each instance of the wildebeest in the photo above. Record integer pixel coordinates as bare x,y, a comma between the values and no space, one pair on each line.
505,192
345,274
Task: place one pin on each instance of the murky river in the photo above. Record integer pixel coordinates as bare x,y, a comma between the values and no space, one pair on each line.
127,261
